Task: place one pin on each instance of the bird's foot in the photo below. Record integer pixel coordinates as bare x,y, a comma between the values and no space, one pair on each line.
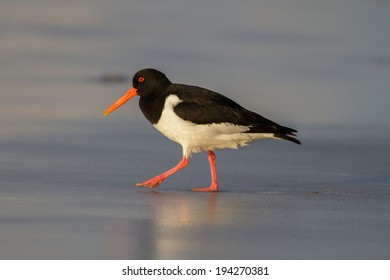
212,188
151,183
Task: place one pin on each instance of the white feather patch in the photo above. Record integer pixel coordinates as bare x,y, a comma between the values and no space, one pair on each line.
195,138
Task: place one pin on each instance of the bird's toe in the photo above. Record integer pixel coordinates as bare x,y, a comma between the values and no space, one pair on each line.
208,189
152,183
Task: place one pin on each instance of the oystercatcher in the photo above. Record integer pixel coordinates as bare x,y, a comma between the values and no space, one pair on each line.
198,119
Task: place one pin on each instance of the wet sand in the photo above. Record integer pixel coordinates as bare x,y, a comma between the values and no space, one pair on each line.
71,195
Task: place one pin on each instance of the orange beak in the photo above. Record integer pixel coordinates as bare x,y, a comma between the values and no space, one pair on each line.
121,100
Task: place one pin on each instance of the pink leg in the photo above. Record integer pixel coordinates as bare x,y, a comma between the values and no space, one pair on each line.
154,182
214,182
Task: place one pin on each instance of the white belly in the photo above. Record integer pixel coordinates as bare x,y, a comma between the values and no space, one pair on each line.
195,138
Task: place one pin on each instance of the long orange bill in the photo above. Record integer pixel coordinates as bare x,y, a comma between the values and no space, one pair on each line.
121,100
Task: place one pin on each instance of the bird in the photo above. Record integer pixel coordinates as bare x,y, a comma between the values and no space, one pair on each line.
198,119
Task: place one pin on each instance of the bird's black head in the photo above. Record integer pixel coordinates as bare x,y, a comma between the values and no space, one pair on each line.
148,81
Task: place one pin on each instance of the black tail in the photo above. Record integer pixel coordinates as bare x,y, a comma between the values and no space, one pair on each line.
286,133
281,132
259,124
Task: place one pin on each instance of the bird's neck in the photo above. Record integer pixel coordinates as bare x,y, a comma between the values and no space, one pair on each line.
151,106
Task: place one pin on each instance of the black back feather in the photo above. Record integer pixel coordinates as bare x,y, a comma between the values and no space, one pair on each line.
203,106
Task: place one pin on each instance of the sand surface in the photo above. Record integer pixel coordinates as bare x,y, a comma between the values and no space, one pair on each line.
72,196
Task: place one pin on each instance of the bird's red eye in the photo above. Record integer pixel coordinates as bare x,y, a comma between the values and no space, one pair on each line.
141,79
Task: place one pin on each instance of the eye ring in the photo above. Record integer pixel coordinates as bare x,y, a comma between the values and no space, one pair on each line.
141,79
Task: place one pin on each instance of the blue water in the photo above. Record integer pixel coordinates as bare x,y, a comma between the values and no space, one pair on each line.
67,174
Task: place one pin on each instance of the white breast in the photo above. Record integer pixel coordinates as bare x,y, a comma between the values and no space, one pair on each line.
195,138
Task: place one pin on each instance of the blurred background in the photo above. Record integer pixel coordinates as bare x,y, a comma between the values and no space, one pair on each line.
310,62
321,67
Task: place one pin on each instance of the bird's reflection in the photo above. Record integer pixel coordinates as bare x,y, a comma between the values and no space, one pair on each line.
179,220
171,220
182,225
182,210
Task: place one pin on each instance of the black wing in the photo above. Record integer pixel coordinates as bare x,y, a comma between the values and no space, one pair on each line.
202,106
